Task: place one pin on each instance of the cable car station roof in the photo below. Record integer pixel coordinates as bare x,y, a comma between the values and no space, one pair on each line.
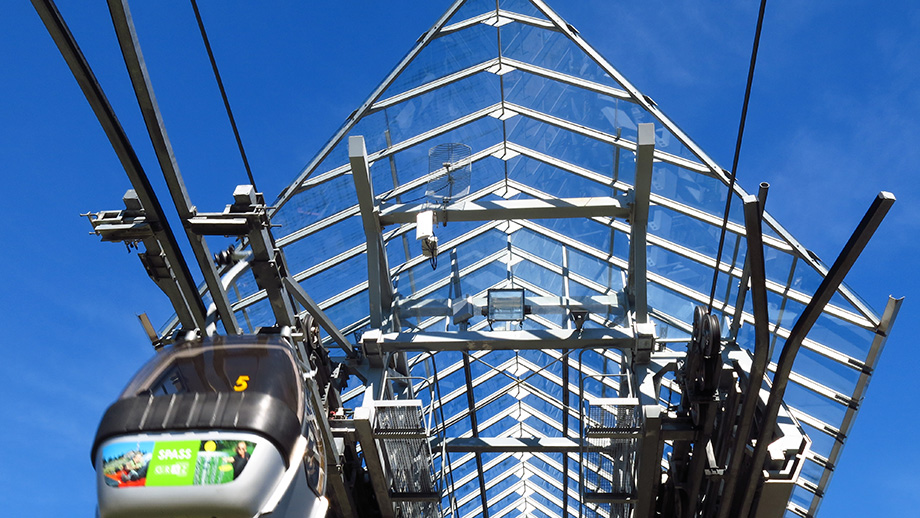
563,149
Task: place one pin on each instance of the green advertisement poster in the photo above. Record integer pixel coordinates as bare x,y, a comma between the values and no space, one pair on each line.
173,463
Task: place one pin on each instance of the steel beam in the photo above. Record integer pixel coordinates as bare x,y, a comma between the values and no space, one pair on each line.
143,89
503,210
194,314
325,322
746,271
474,429
379,286
754,263
247,217
615,338
339,493
650,444
638,270
875,351
525,445
807,319
537,305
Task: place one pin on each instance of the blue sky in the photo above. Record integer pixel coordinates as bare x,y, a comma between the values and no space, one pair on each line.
834,118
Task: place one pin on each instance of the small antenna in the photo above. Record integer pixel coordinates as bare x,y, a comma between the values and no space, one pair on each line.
453,162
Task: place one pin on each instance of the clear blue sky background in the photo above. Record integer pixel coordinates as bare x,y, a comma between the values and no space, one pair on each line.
834,118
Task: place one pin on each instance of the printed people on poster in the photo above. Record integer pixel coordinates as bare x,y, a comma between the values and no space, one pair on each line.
126,464
175,463
137,468
240,458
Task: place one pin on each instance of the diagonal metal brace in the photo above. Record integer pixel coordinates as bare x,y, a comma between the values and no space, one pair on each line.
857,242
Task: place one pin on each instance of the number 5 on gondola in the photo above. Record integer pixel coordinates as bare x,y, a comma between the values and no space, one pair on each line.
242,383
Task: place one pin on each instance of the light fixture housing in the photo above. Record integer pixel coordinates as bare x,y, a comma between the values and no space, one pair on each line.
506,305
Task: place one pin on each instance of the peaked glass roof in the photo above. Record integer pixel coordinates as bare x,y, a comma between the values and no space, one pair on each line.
546,117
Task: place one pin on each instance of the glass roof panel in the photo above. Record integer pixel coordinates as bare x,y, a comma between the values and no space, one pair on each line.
832,374
821,441
246,283
547,178
439,106
588,233
327,284
693,190
320,202
570,147
524,7
324,244
813,404
445,55
472,9
594,110
256,315
847,338
552,50
678,269
412,162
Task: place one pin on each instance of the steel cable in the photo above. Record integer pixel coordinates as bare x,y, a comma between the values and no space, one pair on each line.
731,186
223,94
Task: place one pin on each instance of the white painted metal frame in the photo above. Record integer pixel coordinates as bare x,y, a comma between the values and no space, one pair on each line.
379,210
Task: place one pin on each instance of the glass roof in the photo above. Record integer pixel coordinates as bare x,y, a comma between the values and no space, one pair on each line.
545,118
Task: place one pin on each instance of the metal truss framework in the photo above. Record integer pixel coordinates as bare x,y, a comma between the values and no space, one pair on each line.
589,199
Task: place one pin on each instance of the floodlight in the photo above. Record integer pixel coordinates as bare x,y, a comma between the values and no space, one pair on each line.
506,305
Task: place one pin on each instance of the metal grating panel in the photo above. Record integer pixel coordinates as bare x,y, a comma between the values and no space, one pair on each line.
403,437
609,456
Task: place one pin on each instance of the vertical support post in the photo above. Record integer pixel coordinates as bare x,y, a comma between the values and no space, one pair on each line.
649,472
746,272
455,274
380,289
754,264
638,275
474,429
268,264
565,387
337,490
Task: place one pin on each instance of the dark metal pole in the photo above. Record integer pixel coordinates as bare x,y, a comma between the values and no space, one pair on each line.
194,315
137,69
755,261
474,428
803,325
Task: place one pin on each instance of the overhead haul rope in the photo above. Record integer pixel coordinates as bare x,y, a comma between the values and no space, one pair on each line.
731,186
223,93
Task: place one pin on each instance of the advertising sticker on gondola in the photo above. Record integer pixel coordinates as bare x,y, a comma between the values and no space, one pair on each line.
175,463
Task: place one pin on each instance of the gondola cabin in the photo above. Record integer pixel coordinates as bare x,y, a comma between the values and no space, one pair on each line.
217,428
